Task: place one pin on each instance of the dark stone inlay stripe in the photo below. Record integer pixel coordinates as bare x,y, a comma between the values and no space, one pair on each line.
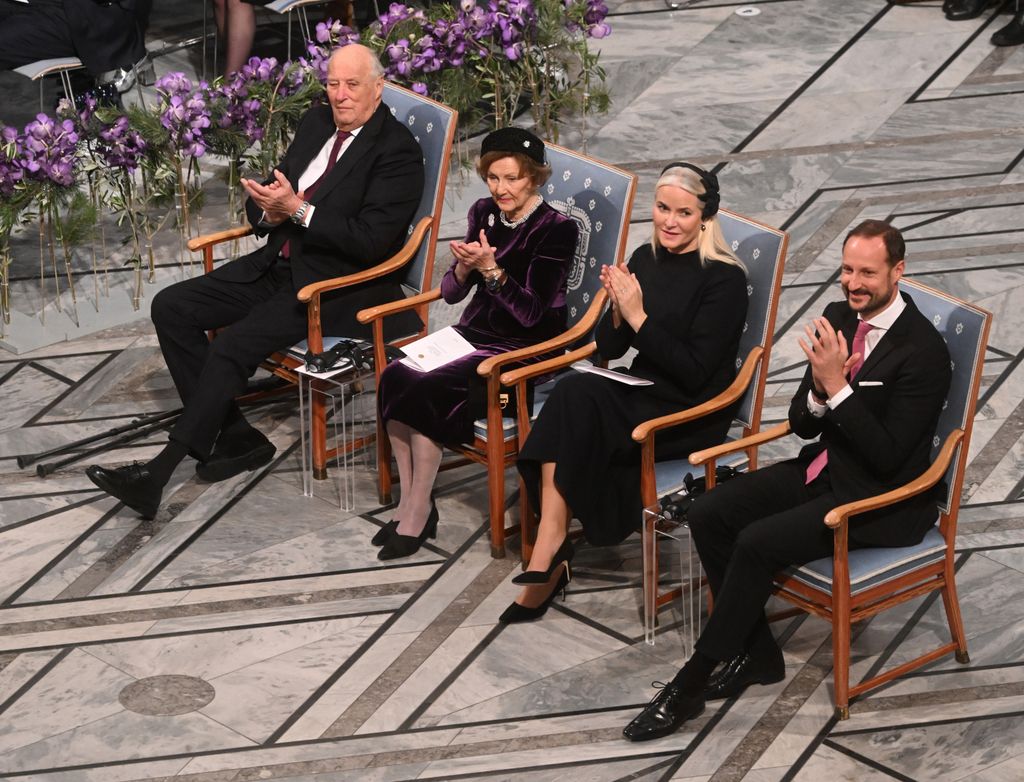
204,631
951,59
52,373
989,457
825,66
420,650
786,706
866,761
68,391
940,697
304,597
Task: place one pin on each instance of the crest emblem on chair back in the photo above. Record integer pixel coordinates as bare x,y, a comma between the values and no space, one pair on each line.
762,250
599,197
433,125
964,329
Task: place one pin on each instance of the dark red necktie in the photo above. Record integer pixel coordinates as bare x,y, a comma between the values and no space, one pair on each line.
818,462
335,151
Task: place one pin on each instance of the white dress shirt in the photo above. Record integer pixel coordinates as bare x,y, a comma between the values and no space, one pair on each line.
316,168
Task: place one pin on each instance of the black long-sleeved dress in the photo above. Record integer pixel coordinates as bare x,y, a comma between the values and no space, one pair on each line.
687,347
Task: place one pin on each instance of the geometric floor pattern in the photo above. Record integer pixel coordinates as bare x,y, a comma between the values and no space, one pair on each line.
250,633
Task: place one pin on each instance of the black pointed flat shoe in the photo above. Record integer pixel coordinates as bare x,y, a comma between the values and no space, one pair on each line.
133,485
381,536
665,714
396,546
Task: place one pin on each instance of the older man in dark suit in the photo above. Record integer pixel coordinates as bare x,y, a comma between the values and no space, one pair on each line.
339,202
877,375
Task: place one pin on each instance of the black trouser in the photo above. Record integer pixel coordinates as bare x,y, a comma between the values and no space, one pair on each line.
255,319
746,531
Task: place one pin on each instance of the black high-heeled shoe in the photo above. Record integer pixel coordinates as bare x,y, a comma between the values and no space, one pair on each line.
397,545
520,613
564,554
385,532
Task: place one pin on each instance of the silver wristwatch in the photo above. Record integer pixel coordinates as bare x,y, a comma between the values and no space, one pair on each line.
300,213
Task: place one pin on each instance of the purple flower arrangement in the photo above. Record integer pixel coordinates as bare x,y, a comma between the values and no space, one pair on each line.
48,151
183,113
10,153
120,146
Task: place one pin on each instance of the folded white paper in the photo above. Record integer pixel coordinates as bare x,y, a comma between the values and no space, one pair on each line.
436,350
611,374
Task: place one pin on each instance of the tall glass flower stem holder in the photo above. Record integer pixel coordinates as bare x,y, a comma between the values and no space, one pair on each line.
679,568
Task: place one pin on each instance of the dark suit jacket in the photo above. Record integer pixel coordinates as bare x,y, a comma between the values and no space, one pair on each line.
880,437
363,210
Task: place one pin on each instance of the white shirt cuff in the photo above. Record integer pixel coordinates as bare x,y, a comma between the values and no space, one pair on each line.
838,398
308,217
814,407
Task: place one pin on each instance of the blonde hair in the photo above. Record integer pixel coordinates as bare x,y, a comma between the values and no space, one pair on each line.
711,242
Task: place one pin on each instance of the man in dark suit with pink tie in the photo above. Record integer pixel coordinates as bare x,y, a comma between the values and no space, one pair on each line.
877,376
340,202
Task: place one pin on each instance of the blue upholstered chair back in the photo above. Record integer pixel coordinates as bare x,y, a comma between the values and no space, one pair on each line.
433,125
963,326
599,197
763,251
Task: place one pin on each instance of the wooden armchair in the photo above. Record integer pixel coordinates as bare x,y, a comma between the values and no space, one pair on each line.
433,124
763,251
599,197
852,586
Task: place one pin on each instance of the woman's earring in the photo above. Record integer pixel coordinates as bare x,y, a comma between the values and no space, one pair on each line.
703,226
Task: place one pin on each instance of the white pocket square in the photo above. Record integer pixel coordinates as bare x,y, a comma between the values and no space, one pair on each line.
863,383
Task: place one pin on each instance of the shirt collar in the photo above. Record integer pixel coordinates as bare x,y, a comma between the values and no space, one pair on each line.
885,318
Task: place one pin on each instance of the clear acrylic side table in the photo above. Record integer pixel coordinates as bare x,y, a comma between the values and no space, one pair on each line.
680,566
350,404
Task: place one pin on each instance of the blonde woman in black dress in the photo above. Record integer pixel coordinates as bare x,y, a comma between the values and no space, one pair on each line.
681,303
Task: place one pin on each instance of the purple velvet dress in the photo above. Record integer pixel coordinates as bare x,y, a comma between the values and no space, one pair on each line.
528,308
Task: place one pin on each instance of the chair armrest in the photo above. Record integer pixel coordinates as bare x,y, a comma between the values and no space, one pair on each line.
735,390
371,314
759,438
210,240
583,326
396,261
548,366
926,480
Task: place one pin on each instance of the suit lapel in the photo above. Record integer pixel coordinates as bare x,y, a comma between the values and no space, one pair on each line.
360,146
308,149
894,338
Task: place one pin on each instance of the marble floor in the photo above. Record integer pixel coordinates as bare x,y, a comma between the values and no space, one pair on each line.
249,632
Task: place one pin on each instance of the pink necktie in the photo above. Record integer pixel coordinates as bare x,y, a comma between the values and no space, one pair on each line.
818,463
338,141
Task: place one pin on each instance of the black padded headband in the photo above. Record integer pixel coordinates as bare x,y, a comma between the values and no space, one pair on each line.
711,198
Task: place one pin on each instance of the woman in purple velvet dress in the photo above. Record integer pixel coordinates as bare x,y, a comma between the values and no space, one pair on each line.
515,261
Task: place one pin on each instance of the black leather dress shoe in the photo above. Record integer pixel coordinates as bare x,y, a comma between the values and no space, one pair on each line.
740,672
961,10
235,454
132,485
665,714
1012,34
